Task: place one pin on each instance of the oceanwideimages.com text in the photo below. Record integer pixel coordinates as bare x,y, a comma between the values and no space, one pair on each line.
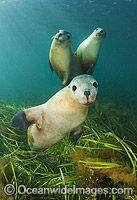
22,189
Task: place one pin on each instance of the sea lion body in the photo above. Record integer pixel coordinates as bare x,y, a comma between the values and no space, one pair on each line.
63,113
56,123
88,50
62,59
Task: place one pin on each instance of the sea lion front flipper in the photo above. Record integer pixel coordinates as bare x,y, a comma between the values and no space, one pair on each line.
20,121
76,135
33,114
25,118
50,65
65,78
88,68
91,68
40,121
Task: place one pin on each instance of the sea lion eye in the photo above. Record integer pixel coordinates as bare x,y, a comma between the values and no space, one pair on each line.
95,84
74,88
96,29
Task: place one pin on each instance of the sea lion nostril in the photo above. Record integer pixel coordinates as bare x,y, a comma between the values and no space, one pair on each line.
87,93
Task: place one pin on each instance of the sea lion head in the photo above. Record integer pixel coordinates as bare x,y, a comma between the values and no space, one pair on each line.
62,37
84,89
99,33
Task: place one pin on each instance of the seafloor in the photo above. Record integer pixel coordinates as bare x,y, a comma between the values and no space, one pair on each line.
104,157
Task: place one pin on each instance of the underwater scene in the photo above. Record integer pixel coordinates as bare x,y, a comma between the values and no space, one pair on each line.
68,100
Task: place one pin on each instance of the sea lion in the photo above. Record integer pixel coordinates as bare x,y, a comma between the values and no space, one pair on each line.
63,113
88,50
62,60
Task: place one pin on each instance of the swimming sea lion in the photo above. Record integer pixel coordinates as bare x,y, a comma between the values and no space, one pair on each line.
63,113
88,50
61,58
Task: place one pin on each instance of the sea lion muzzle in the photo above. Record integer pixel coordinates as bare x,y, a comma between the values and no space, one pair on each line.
102,33
63,36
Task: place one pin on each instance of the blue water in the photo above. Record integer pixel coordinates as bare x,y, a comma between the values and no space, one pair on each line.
26,28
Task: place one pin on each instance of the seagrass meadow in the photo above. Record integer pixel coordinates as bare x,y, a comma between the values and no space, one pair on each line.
105,156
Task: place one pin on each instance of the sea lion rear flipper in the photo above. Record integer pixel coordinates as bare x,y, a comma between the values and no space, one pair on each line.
76,135
50,65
